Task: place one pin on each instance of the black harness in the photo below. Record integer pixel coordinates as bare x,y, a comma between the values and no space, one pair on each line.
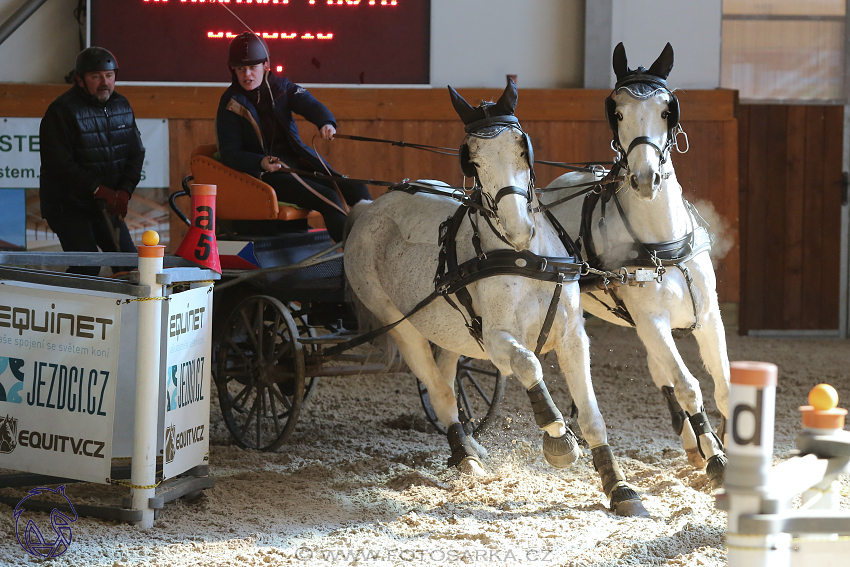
655,255
453,278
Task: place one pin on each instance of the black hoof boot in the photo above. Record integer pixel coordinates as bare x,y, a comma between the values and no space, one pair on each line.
626,502
715,470
460,445
623,499
561,452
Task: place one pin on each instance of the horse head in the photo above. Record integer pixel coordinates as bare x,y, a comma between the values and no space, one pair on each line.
643,115
498,155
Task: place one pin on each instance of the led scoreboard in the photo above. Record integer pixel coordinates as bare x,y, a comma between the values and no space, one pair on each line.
310,41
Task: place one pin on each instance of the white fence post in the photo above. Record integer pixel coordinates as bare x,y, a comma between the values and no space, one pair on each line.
143,473
752,399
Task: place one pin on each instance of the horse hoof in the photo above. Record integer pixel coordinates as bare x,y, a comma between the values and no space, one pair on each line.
695,459
482,452
715,470
626,502
472,467
561,452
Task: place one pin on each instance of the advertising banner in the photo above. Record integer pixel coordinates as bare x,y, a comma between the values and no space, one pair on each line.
188,337
58,376
20,158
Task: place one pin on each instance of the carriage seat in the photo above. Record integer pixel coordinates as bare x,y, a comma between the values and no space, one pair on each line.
240,196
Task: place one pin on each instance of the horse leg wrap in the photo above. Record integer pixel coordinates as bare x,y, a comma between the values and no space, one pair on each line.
545,412
677,414
624,500
715,468
461,447
561,452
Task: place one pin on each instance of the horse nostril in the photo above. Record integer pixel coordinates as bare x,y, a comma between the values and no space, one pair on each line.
656,180
633,180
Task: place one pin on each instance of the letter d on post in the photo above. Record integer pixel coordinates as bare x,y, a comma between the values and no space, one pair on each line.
199,245
752,406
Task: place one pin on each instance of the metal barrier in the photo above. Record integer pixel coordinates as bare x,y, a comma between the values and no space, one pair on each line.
94,370
763,530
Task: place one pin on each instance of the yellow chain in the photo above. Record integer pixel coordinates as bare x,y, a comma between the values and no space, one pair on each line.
128,485
146,299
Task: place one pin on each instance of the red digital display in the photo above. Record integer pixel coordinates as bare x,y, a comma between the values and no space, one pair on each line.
310,41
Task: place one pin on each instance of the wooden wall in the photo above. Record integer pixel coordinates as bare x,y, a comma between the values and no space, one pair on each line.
564,125
791,181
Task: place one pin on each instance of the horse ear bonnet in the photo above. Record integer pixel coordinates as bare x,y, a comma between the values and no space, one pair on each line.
529,149
656,75
674,116
610,113
465,166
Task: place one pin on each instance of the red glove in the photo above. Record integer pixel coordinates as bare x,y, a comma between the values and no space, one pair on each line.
121,200
108,196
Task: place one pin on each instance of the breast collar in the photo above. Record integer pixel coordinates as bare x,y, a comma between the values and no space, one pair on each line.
639,253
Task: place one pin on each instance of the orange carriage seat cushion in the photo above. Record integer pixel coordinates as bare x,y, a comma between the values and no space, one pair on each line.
240,196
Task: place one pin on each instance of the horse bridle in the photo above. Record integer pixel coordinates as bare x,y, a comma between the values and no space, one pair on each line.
488,128
640,76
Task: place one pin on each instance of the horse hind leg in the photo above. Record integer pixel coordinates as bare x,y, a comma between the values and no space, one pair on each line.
416,351
682,427
560,445
447,363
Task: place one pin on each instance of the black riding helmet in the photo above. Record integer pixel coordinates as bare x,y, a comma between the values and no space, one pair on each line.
95,59
247,49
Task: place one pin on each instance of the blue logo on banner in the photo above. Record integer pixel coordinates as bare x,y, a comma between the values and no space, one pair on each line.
11,379
31,538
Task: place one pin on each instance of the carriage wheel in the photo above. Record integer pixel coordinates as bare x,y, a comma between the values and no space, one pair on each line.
260,373
479,389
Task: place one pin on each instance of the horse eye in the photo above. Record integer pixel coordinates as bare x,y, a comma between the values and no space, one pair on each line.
665,114
619,116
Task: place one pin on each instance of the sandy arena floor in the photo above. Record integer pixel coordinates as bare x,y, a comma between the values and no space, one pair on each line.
363,480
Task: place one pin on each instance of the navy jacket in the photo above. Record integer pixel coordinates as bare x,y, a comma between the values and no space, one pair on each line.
85,143
237,125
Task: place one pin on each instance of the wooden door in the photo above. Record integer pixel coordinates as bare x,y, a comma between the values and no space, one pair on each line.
790,178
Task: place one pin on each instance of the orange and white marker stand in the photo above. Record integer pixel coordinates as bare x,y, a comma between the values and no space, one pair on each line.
147,380
763,530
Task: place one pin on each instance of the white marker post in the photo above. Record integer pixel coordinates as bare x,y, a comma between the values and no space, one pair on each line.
752,406
143,473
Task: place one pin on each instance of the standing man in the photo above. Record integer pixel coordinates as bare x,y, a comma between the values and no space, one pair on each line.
257,134
91,161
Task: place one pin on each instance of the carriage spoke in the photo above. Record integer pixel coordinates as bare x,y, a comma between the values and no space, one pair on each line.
468,368
260,308
468,375
250,417
238,350
283,398
464,398
260,413
242,394
249,329
277,427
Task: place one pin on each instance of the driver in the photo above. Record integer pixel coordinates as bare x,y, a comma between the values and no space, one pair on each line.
256,134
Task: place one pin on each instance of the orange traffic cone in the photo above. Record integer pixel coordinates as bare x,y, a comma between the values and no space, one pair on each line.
199,245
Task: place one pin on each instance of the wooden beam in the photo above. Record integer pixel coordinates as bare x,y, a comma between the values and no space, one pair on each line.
21,100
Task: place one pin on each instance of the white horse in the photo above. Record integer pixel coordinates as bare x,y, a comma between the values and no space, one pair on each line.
642,223
393,253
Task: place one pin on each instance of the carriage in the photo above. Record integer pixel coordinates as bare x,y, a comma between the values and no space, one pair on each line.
286,324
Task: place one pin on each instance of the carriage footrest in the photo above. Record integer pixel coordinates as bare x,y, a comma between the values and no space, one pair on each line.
333,339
